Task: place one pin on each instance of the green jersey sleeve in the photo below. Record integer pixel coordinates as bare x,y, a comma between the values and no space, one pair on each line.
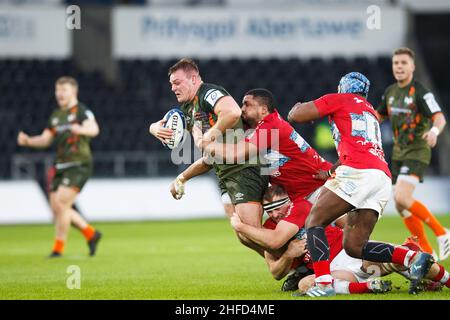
211,97
426,102
84,114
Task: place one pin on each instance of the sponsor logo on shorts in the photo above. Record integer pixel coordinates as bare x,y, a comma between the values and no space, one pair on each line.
404,170
66,181
239,196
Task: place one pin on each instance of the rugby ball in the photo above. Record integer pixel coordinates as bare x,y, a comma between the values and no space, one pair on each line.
175,120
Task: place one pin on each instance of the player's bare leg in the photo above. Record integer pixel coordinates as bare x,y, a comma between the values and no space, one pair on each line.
61,202
414,213
358,228
346,283
250,213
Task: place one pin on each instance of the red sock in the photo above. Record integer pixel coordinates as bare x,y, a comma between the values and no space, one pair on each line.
355,287
322,272
88,232
402,256
443,276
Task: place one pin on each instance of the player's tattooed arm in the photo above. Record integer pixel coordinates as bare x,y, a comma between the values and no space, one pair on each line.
303,112
43,140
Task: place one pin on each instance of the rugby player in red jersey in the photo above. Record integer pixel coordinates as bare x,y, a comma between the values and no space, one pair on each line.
293,163
285,228
360,186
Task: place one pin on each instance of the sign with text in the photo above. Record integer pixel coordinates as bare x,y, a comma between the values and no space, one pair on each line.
34,32
232,32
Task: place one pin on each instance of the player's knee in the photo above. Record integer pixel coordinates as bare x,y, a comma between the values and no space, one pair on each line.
353,249
402,200
313,221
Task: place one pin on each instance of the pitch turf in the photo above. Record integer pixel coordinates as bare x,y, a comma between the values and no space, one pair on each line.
199,259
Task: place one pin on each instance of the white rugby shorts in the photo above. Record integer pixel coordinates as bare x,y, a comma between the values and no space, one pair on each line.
362,188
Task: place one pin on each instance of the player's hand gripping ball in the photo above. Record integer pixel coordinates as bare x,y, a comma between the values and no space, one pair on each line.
176,121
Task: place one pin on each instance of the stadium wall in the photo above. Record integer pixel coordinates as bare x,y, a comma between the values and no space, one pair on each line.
149,199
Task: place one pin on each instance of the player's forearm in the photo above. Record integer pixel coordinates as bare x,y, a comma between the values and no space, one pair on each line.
263,237
199,167
280,267
439,123
229,153
90,129
38,142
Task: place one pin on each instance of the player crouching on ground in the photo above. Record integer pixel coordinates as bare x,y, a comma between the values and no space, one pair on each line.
351,275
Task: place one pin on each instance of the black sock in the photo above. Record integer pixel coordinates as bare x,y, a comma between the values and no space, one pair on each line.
318,244
377,251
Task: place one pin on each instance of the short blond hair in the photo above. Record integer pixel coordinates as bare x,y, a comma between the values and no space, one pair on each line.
66,79
405,50
185,64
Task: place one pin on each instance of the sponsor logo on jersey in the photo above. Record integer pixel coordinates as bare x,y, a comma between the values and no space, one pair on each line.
408,100
391,100
239,196
71,117
55,121
212,96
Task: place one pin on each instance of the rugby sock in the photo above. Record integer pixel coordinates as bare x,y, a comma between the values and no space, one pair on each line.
385,252
403,256
88,232
415,226
320,254
346,287
58,246
443,277
419,210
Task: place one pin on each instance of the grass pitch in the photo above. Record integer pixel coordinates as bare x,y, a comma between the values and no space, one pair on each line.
199,259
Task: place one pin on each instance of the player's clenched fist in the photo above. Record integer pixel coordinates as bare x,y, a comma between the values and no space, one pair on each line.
177,187
22,139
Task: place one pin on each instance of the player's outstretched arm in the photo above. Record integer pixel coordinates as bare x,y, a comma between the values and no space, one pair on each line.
88,127
199,167
232,153
159,132
303,112
228,114
43,140
439,123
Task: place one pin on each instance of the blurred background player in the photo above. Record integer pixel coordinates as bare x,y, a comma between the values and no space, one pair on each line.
361,185
71,127
209,111
411,108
